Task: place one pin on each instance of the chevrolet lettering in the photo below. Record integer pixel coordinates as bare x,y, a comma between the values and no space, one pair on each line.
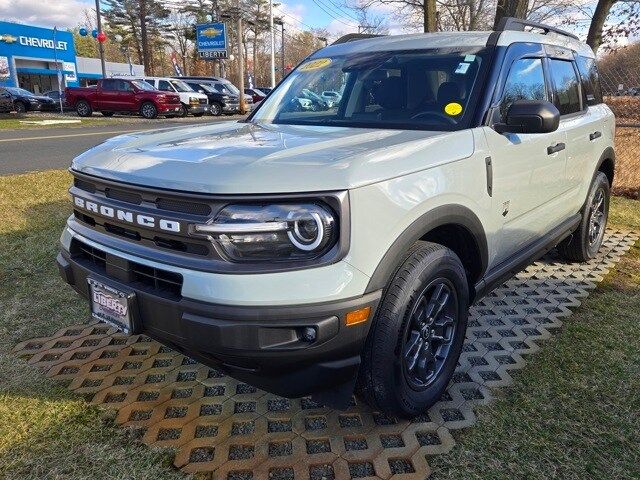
330,248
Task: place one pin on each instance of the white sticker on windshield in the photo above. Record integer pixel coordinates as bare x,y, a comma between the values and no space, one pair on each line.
469,58
462,68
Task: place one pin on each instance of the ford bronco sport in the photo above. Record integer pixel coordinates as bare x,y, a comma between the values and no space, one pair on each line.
318,252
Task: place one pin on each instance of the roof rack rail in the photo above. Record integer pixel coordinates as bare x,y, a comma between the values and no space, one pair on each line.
518,24
352,37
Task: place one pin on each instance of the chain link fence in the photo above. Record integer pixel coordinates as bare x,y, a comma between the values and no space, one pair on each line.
621,91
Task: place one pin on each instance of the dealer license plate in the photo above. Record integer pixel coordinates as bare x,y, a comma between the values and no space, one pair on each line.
110,305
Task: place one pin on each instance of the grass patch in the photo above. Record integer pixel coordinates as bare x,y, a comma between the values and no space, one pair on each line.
14,122
572,412
45,430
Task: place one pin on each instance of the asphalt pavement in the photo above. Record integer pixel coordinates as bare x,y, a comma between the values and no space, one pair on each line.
54,147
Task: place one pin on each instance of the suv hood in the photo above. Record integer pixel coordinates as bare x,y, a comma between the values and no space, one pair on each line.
233,157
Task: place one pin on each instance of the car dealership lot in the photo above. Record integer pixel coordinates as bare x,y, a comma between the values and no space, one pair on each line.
39,148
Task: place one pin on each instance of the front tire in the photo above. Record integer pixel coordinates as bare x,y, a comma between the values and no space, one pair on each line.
587,239
148,110
19,107
418,332
183,111
215,109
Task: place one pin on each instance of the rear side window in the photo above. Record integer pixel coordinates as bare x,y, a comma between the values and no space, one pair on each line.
590,80
567,91
111,85
525,82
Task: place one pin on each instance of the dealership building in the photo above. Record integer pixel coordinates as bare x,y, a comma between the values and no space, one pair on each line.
40,59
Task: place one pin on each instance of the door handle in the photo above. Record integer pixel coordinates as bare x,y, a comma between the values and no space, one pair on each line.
558,147
594,135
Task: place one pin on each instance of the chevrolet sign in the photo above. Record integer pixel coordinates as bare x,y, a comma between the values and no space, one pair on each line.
34,42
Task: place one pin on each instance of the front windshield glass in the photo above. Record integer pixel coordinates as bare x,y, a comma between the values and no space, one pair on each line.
140,85
20,91
232,88
419,89
180,86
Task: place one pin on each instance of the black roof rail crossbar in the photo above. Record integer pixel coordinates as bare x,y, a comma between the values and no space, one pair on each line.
518,24
352,37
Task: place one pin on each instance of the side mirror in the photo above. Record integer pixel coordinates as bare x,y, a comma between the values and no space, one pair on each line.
530,116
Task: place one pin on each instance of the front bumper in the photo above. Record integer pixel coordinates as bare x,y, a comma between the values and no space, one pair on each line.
169,108
198,108
261,345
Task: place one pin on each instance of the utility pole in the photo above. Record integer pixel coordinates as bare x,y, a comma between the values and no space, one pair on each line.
279,21
273,47
100,46
241,62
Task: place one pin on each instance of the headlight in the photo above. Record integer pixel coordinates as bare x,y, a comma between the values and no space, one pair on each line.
272,232
194,100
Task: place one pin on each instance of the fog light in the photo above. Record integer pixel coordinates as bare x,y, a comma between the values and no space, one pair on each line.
358,316
309,334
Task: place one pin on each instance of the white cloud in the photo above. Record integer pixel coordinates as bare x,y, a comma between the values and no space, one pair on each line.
292,15
61,13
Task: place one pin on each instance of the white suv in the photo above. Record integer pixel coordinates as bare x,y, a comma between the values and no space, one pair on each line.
192,102
314,251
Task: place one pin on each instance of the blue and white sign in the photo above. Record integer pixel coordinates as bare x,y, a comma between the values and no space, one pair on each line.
211,39
36,51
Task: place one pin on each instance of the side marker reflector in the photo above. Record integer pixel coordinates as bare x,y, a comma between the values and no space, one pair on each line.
358,316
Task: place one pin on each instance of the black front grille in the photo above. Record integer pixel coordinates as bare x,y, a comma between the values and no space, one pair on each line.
193,208
83,185
153,280
93,255
123,196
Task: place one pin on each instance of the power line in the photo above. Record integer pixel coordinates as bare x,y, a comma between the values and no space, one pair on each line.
338,9
331,14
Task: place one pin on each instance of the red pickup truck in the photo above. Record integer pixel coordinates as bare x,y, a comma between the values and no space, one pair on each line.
112,95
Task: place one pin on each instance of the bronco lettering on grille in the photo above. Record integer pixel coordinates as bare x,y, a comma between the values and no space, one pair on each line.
127,216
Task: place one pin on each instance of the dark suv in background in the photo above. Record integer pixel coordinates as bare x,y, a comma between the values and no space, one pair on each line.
219,102
224,88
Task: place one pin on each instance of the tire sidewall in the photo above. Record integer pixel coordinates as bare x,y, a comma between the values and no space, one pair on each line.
148,117
389,329
600,181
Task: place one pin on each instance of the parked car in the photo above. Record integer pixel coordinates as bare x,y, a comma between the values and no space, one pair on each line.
112,95
6,101
55,96
225,87
256,95
219,103
25,101
265,90
194,103
314,252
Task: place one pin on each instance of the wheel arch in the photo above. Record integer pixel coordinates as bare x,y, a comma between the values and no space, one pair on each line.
454,226
607,164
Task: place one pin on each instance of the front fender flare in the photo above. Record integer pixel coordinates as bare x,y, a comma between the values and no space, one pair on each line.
439,216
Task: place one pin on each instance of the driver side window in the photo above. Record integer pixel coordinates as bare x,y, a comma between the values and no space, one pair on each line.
524,82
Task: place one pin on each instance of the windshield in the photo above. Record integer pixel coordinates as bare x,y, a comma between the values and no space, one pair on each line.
231,87
141,85
180,86
20,91
419,89
206,88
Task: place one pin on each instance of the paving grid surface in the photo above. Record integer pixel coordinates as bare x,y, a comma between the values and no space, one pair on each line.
236,432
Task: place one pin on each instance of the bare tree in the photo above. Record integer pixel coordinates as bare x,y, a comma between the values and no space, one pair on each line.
510,8
423,11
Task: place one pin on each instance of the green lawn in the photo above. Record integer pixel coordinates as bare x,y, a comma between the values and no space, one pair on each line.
571,413
14,122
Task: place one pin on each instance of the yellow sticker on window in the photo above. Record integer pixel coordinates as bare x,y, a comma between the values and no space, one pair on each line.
315,64
453,109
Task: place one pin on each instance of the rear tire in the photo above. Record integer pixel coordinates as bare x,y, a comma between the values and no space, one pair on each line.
83,109
586,240
418,332
148,110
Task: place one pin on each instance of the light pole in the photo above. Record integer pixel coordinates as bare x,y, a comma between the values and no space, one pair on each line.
100,46
273,47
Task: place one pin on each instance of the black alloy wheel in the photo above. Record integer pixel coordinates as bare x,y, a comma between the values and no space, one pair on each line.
429,333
